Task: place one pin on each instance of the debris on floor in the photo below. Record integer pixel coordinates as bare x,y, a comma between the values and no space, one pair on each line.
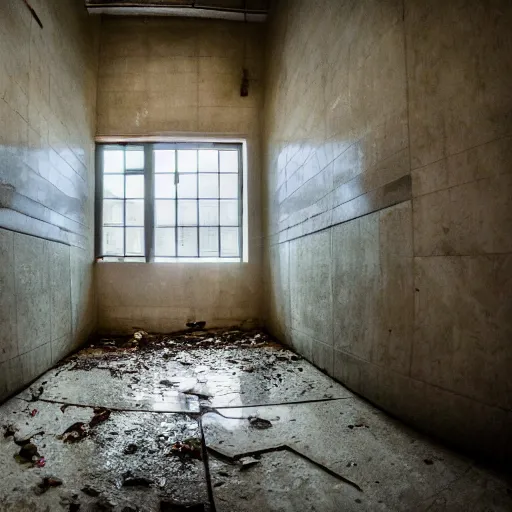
36,393
131,449
130,480
29,453
190,447
259,423
247,462
220,419
80,430
47,483
196,325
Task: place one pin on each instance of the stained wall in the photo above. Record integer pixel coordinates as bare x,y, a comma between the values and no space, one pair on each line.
47,126
165,77
387,201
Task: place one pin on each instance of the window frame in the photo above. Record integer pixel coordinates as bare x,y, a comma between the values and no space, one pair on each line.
149,200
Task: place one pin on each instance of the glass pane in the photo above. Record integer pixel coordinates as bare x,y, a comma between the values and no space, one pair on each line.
113,212
113,160
165,212
229,213
113,240
208,160
134,241
187,213
187,186
134,158
187,241
164,185
135,212
113,186
165,160
165,243
208,213
229,186
187,160
209,185
228,161
135,186
209,242
229,242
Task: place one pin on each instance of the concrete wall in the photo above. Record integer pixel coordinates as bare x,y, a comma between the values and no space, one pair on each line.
47,125
388,205
165,77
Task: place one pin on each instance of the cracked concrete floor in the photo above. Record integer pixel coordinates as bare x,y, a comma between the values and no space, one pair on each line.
219,420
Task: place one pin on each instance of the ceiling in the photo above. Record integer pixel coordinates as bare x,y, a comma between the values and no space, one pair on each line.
241,10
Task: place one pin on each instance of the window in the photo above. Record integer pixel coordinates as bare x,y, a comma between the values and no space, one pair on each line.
169,202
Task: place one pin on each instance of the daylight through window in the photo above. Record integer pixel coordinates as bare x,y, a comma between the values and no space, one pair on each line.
169,202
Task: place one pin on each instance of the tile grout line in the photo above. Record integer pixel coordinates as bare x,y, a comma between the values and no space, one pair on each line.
15,297
50,287
407,99
457,153
203,409
426,383
284,447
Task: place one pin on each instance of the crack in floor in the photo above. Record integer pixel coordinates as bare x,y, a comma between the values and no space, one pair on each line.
283,447
351,445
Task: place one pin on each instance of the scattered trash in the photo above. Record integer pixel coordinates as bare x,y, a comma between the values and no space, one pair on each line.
81,430
129,480
196,325
140,335
9,430
100,415
41,463
359,425
75,432
196,337
130,449
247,462
33,412
48,481
351,464
190,447
36,393
167,383
28,452
259,423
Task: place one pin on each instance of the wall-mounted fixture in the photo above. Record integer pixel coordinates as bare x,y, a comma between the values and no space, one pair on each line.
244,88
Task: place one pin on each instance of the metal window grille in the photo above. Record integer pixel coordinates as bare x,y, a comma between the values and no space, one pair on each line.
169,201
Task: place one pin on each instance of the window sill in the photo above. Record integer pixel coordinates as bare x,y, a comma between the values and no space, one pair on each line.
113,259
